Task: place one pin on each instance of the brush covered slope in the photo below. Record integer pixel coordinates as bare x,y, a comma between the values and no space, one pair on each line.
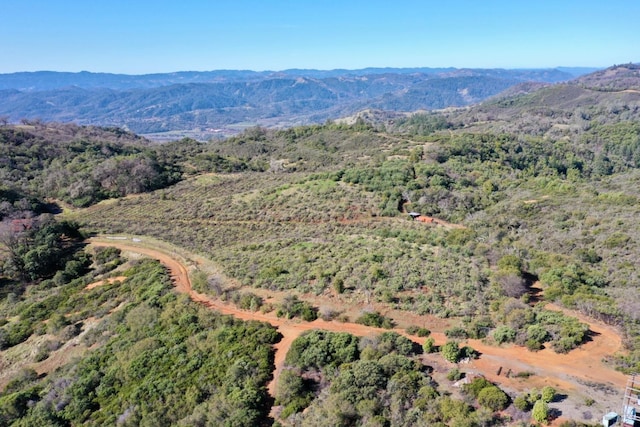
528,235
79,165
532,206
129,352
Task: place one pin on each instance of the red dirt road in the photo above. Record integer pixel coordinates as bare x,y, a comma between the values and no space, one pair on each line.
290,329
565,371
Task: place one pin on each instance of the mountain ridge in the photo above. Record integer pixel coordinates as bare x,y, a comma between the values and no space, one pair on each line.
225,102
44,80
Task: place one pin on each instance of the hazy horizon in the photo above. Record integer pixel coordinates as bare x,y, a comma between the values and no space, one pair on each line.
314,69
144,37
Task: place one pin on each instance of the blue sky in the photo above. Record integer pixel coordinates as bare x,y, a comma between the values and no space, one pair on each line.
140,36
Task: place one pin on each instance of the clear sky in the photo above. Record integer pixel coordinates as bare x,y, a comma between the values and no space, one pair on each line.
149,36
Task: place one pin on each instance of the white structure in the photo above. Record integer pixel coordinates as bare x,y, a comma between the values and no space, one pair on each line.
631,400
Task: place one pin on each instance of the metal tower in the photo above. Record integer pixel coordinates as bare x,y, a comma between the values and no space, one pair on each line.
631,403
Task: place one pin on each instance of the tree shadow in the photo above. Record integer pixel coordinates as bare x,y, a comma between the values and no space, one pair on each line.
554,413
559,397
427,369
416,348
52,208
589,336
535,293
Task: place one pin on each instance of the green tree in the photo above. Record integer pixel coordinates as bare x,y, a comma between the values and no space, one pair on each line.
540,411
504,333
429,345
476,386
548,394
360,381
455,374
292,393
521,403
450,351
493,398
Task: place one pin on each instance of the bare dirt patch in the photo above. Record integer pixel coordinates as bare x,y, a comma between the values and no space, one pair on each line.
110,281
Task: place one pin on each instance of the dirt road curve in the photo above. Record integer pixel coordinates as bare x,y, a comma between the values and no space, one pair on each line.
566,371
289,329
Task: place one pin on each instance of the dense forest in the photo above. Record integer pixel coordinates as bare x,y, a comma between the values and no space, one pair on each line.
524,234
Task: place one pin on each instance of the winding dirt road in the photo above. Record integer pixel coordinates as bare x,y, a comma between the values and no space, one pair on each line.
290,329
567,371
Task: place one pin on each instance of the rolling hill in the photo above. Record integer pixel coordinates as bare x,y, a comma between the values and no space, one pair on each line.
519,276
559,111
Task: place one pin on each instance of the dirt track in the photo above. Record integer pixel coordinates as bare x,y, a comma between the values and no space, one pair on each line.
567,372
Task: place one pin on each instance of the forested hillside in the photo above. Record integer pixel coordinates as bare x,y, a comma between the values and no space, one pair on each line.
79,165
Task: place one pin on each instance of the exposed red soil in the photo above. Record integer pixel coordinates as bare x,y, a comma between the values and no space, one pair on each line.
437,221
566,372
110,280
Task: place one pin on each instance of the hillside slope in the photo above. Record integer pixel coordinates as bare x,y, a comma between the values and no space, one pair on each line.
559,111
529,246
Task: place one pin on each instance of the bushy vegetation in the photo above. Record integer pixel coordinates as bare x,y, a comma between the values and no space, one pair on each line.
41,247
293,229
533,327
526,211
487,394
292,307
375,319
452,352
160,360
338,379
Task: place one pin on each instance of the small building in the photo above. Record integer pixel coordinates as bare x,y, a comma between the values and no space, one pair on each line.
609,419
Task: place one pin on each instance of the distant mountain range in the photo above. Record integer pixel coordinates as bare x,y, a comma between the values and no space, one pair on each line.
225,101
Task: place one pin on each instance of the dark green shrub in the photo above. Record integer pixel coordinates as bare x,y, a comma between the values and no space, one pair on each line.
15,333
493,398
293,307
450,351
475,387
387,343
455,374
456,332
292,393
250,301
503,334
522,403
106,254
429,346
467,352
319,349
533,345
375,319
